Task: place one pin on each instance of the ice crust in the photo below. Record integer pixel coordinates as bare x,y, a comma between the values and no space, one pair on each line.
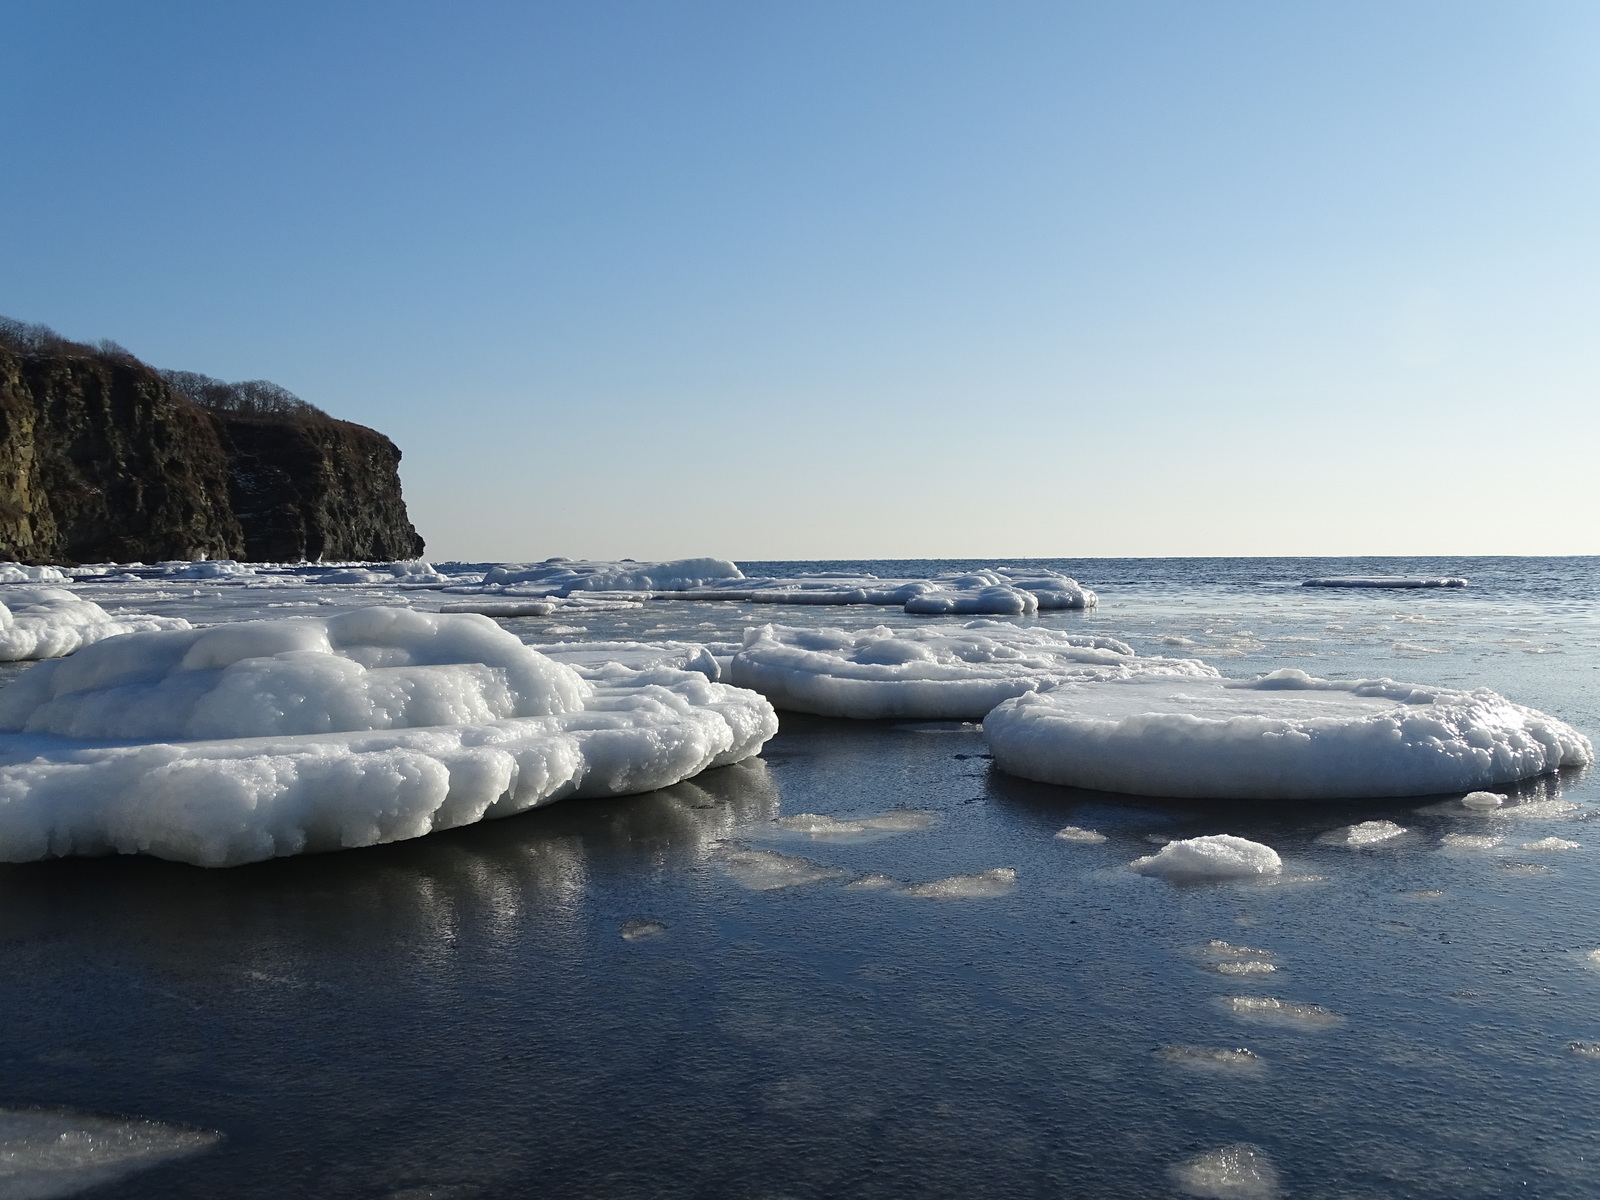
49,622
1388,581
49,1152
1216,856
934,672
1284,736
264,738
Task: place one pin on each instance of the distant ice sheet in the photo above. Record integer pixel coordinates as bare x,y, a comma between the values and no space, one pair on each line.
1284,736
1387,581
48,622
263,738
935,672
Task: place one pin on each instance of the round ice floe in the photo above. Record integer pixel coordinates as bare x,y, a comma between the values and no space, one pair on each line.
263,738
48,622
1217,856
1237,1172
935,672
1284,736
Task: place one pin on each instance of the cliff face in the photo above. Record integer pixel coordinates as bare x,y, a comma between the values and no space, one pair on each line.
102,460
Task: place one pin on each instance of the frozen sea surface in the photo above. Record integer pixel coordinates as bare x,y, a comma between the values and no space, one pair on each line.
688,994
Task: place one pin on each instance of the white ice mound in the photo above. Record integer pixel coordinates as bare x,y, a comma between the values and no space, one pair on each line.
1216,856
938,672
1285,736
264,738
559,576
15,572
1387,581
47,622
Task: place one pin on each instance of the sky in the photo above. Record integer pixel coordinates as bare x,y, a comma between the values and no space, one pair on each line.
772,279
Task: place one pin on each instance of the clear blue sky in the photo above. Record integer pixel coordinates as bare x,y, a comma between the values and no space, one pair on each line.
861,278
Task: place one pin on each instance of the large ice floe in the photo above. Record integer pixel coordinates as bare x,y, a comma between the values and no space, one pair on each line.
1284,736
941,671
997,591
262,738
48,622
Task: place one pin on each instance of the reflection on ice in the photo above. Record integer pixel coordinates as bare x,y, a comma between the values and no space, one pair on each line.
47,1153
1237,1172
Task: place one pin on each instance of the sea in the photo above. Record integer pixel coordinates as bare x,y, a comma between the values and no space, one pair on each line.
672,995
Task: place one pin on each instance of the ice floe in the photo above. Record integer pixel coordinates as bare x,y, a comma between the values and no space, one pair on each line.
263,738
15,572
935,672
767,870
1469,841
1283,736
1550,844
48,622
1483,801
1366,833
595,659
1388,581
640,928
1072,833
818,826
51,1152
1282,1012
1237,1172
562,576
997,881
1237,1060
1215,856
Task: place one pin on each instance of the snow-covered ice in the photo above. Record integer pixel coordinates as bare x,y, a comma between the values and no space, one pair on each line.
1236,1172
52,1152
1483,801
1283,736
1388,581
49,622
934,672
263,738
1215,856
15,572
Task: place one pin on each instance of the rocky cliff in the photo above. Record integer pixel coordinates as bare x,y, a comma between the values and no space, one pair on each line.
102,459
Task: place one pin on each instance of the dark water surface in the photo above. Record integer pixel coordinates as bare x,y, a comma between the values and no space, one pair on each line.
463,1016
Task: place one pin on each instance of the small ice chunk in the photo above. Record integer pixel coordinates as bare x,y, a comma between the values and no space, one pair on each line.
995,882
1237,1172
1584,1049
1522,868
1469,841
868,882
818,825
1483,801
767,870
1073,833
1204,1058
1367,833
1217,948
639,928
1216,856
46,1152
1268,1008
1550,843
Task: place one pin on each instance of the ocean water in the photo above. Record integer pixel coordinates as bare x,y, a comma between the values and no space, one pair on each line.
676,995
